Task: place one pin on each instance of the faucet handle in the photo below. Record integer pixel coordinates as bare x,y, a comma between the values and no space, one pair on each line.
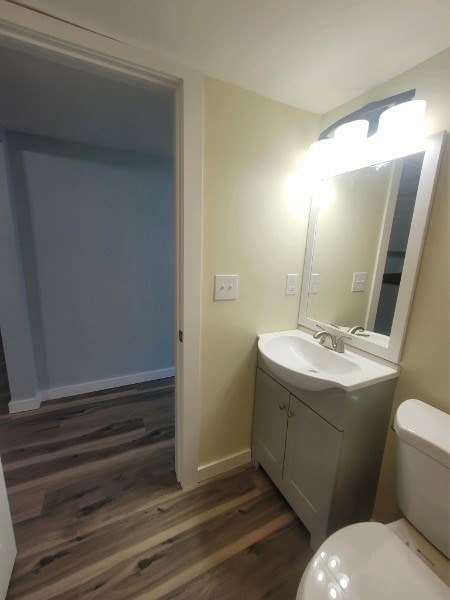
320,335
355,329
330,328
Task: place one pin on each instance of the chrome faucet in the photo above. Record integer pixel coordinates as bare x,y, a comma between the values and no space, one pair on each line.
355,329
335,343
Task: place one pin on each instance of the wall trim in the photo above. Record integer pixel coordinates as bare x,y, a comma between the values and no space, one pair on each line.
104,384
221,466
17,406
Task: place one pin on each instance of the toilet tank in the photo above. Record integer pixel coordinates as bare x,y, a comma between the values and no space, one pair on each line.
423,470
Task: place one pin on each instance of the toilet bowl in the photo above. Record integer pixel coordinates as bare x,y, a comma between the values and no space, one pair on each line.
368,561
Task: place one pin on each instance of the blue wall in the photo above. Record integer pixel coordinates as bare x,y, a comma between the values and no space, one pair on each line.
96,234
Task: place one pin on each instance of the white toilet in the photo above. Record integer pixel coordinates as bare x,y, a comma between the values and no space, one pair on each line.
367,561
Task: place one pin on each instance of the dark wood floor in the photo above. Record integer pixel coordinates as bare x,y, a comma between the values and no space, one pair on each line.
98,512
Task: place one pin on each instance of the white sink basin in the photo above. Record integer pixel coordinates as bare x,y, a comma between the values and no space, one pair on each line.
295,357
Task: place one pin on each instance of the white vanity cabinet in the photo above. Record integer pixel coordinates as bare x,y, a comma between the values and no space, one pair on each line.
323,450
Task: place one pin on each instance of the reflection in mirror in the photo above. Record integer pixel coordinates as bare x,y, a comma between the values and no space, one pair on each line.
357,268
361,234
398,241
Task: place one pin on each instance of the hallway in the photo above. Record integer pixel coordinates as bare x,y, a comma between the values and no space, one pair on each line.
98,512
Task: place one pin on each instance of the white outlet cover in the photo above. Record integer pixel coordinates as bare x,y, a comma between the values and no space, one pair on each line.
291,284
226,287
359,282
314,283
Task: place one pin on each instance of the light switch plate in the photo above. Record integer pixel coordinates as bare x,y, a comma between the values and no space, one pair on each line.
226,287
291,284
359,282
314,283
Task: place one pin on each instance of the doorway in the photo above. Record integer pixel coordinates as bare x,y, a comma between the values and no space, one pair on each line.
37,34
91,187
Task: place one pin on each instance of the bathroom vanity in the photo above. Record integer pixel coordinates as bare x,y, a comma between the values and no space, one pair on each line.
322,449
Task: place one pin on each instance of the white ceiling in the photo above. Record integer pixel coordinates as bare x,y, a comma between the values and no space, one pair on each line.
54,100
313,54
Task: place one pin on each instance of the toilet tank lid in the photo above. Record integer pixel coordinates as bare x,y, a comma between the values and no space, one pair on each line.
424,427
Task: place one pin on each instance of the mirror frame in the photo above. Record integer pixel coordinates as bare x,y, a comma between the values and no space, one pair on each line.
433,153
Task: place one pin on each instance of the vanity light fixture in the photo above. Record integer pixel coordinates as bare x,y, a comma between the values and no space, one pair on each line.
350,142
401,131
401,128
406,120
353,132
322,150
320,159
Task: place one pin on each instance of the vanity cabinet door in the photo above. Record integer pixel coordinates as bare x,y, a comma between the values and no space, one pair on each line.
311,462
269,425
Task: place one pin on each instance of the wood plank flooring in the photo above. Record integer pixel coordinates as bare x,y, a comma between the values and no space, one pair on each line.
98,512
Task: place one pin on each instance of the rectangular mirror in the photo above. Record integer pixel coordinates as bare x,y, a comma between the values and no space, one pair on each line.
365,238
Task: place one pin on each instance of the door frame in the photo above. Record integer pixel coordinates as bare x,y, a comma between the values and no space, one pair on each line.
28,31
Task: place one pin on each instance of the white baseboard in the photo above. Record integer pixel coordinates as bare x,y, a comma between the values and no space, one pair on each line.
218,467
105,384
16,406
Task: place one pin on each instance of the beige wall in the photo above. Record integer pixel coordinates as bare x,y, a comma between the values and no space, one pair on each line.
425,358
252,228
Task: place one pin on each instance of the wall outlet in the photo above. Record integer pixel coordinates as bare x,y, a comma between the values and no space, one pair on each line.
359,282
226,287
291,284
314,283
